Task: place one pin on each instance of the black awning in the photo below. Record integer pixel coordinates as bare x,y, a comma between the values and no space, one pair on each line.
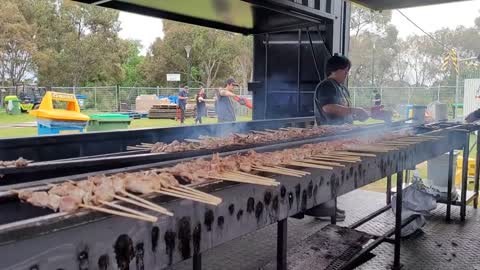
394,4
241,16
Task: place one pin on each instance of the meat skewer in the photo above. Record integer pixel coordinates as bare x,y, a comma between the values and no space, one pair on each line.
117,185
69,204
237,168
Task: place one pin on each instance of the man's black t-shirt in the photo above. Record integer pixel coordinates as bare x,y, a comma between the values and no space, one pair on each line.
331,92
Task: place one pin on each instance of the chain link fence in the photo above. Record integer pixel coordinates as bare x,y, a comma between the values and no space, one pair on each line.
398,98
115,98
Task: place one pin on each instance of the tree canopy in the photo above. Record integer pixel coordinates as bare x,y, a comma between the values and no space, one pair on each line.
62,43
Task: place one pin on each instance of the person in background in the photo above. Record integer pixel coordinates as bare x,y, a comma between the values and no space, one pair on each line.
201,107
224,106
182,102
334,107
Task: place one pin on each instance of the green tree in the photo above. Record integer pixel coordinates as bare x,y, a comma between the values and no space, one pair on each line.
214,56
131,63
17,44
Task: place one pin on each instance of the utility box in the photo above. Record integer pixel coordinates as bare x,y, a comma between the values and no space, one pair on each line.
109,121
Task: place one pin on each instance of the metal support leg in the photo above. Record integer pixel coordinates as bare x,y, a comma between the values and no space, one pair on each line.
389,190
282,244
466,152
197,261
333,218
398,222
449,185
477,171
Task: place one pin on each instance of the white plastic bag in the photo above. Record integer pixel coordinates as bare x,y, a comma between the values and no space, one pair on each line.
415,202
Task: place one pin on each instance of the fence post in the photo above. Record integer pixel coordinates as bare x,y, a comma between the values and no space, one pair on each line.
409,94
354,96
381,93
158,91
95,98
118,97
438,93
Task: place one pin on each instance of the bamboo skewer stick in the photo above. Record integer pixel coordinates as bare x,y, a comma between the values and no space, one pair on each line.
366,149
116,213
233,179
326,163
189,196
354,154
277,172
147,144
184,196
291,170
334,159
341,157
254,176
147,202
282,170
235,175
309,165
120,198
198,193
126,209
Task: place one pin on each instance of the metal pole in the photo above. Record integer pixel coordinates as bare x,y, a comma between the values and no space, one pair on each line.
373,65
463,206
477,171
438,93
197,261
333,218
117,98
456,90
95,98
189,71
398,222
449,186
314,56
282,244
354,97
389,190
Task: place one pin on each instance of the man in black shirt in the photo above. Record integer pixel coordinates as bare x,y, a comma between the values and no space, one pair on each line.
334,107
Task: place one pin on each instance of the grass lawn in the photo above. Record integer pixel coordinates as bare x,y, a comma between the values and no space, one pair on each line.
13,119
9,132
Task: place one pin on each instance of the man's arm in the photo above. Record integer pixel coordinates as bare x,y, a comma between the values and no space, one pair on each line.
339,110
473,116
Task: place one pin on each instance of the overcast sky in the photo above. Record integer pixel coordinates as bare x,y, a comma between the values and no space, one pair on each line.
430,18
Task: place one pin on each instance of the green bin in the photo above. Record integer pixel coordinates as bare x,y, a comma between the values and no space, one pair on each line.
12,105
108,121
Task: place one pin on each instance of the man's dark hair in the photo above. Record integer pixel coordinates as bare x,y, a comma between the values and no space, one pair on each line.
337,62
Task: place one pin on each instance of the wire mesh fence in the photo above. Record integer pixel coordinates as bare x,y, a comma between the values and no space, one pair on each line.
115,98
398,98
